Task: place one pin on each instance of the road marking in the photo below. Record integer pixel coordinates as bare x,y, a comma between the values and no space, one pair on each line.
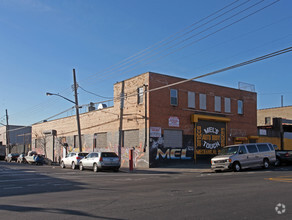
283,179
15,187
31,179
62,184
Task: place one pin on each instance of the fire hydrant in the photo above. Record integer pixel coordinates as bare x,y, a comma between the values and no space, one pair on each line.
131,159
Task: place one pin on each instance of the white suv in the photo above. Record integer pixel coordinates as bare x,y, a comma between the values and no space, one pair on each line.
72,159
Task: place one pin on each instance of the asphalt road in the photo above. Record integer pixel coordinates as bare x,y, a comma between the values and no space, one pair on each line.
47,192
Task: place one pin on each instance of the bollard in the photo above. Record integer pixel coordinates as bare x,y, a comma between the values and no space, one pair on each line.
131,160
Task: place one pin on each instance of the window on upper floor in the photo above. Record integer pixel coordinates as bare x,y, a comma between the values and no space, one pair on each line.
240,107
217,104
203,101
191,100
173,97
140,95
227,105
267,120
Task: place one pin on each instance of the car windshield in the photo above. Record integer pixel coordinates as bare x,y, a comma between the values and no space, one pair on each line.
229,150
82,154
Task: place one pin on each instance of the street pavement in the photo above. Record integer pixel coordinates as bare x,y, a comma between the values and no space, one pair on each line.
49,192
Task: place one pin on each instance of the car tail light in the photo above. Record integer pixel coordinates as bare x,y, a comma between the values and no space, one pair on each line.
100,159
78,158
287,155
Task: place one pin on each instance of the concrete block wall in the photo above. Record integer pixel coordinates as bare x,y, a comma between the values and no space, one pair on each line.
99,121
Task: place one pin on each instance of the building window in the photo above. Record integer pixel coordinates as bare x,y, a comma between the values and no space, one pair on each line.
140,95
240,107
191,99
267,120
217,104
227,105
173,97
100,140
76,141
203,101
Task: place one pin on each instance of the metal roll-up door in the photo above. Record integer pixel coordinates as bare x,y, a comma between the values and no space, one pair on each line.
173,138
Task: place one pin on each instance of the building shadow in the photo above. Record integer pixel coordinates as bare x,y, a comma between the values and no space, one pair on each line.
26,209
23,180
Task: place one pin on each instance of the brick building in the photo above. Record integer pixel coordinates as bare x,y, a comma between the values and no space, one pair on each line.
275,126
169,125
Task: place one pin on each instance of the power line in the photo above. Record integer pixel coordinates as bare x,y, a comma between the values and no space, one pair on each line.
267,56
163,56
264,57
152,47
95,93
171,37
261,58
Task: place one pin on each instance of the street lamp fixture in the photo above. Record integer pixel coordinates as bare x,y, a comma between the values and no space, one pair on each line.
49,94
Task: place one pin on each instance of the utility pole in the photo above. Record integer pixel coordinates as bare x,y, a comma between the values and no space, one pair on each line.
7,134
146,129
77,111
121,119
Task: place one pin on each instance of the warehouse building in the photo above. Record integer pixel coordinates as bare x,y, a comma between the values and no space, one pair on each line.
165,121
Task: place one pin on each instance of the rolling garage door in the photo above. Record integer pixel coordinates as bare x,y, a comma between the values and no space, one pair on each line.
173,138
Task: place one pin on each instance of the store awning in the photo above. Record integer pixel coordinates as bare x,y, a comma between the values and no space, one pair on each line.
195,118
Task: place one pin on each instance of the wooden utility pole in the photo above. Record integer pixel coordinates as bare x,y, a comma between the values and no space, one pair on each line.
7,134
121,119
77,111
146,129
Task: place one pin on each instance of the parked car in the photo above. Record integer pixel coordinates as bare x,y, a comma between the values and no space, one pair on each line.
11,157
30,157
72,159
100,160
33,158
282,156
21,159
243,156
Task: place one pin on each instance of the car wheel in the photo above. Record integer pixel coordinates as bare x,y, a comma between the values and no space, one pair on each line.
81,166
236,167
73,166
278,162
95,168
266,164
62,164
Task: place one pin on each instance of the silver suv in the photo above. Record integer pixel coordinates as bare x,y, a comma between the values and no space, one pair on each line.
100,160
243,156
72,159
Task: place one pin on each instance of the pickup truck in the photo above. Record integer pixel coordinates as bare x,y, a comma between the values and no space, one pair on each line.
282,156
33,158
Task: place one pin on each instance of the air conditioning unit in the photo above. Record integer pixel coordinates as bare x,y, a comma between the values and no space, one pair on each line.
101,106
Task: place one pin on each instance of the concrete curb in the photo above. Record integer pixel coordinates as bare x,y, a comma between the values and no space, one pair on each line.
166,170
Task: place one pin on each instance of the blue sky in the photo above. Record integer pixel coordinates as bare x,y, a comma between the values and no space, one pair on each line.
42,41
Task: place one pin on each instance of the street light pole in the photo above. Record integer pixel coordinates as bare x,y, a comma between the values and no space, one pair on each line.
77,111
76,107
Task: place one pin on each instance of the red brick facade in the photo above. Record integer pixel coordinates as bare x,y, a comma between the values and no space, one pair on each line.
239,128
